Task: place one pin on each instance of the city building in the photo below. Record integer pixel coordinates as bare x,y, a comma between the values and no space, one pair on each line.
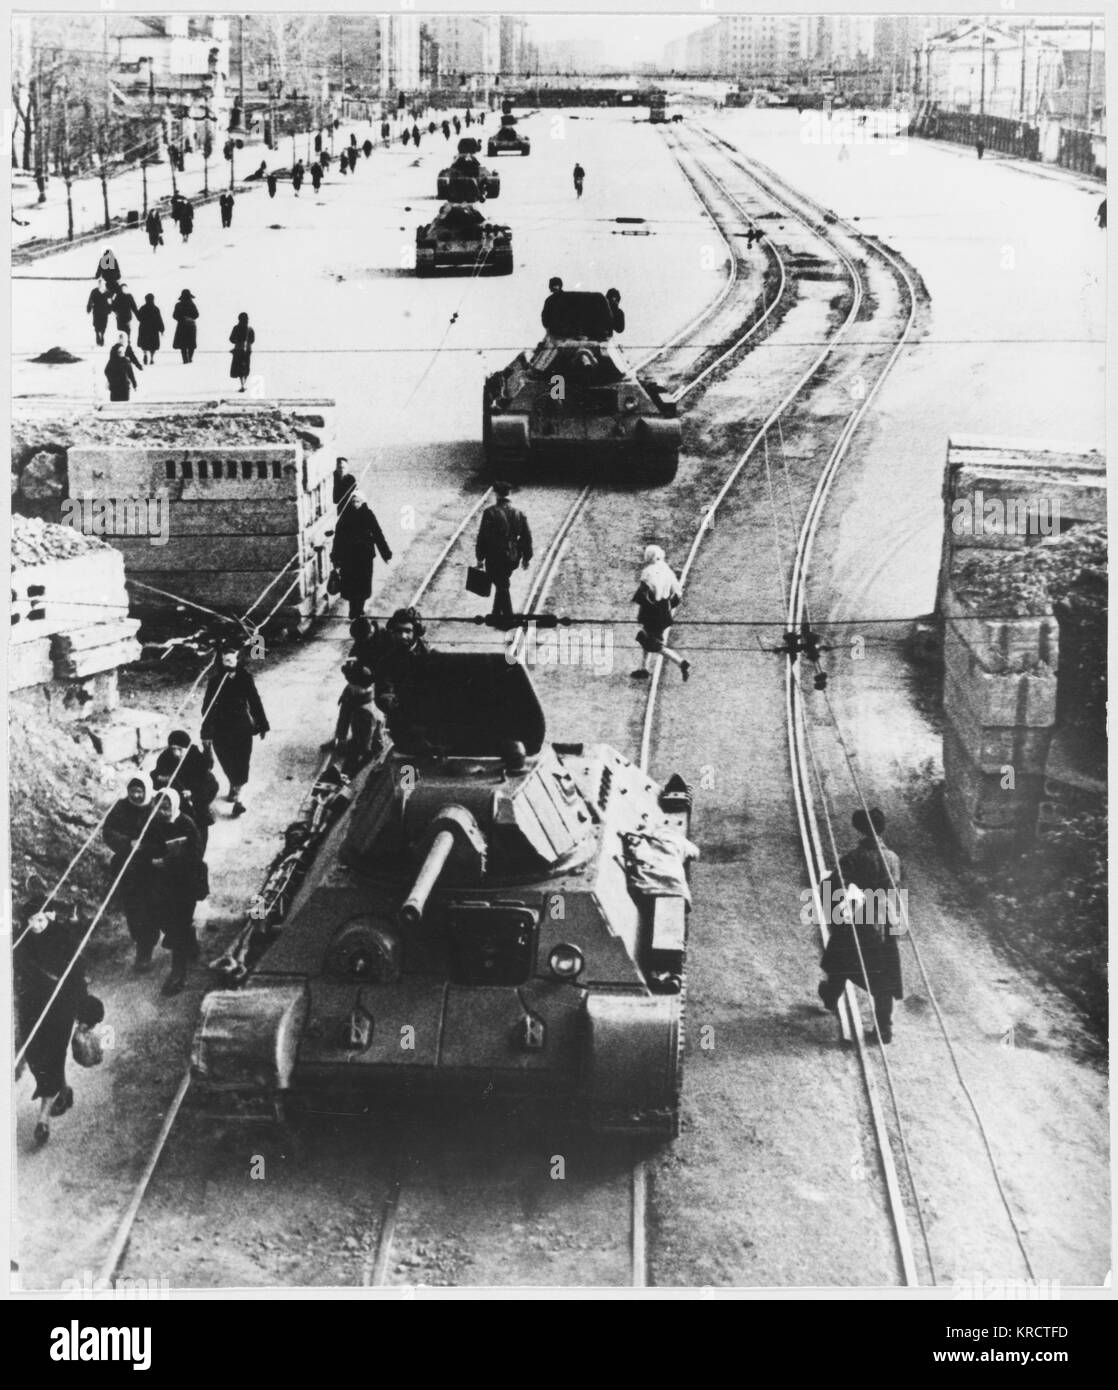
993,70
174,68
469,47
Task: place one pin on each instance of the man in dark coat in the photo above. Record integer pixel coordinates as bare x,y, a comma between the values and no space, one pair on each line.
316,176
119,374
108,269
154,229
271,181
504,540
175,873
357,541
151,328
186,219
234,716
367,147
98,304
125,310
225,202
185,314
863,895
415,135
297,176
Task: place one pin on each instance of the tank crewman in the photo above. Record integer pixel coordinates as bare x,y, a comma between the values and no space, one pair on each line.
616,312
863,945
504,541
555,290
401,664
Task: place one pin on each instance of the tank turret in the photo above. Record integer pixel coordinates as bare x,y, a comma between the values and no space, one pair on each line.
492,914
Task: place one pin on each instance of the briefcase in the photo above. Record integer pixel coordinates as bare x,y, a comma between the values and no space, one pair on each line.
478,582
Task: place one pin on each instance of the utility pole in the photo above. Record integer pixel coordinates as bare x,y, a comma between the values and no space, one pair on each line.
1021,107
144,179
1090,56
341,48
982,80
241,65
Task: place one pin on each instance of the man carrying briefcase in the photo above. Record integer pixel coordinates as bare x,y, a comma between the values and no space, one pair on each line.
504,541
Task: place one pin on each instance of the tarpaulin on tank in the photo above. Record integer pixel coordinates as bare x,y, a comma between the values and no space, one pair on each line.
471,704
579,314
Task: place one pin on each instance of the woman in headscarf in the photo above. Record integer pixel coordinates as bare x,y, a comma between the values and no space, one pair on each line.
234,715
48,1018
190,772
174,871
185,314
242,338
657,597
124,826
151,328
108,269
119,374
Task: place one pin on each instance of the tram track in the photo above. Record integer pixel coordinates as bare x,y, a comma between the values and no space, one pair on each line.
376,1267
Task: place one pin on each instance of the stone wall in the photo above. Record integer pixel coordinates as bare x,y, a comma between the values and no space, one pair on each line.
1001,640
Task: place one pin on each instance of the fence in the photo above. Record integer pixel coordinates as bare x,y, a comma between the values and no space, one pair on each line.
1079,150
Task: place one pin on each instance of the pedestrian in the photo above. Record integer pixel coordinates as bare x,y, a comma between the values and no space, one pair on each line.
548,316
316,176
1100,216
186,219
359,714
225,203
385,133
185,314
242,338
324,160
432,128
119,374
297,177
481,118
52,997
271,181
469,119
123,829
150,328
98,304
457,125
616,312
108,269
980,146
579,175
401,667
446,130
351,155
126,346
154,229
405,137
504,540
352,140
863,895
318,142
189,771
657,597
175,878
358,539
125,309
234,717
368,148
415,135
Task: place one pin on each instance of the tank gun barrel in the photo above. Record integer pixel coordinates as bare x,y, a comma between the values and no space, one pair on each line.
411,912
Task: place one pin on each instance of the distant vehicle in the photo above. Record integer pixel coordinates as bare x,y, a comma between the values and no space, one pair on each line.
466,166
677,116
657,104
603,413
459,237
417,951
508,140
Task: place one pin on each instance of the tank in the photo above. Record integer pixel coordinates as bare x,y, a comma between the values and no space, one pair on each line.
459,237
466,166
576,399
508,140
489,915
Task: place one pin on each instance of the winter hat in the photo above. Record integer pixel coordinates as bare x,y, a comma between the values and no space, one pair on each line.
178,738
502,489
862,822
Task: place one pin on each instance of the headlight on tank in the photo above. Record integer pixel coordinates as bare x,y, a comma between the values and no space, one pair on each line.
566,962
